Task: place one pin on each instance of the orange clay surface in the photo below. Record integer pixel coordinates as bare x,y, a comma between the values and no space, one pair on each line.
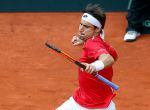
32,77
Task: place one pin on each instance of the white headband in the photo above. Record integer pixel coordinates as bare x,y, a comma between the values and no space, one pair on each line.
89,18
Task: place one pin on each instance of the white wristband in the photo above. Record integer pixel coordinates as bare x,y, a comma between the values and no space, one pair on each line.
99,65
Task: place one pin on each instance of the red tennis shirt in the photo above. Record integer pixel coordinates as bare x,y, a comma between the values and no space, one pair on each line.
93,93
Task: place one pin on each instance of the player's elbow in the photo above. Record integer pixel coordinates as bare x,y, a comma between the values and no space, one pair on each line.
112,60
107,59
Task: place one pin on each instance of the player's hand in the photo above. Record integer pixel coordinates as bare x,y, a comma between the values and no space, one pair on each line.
76,41
90,68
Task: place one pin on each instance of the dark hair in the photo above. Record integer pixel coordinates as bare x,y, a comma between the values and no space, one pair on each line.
97,12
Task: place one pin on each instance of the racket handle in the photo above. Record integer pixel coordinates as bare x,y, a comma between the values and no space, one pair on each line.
80,65
106,81
101,78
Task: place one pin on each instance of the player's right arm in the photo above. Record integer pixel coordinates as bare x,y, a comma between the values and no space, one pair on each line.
103,61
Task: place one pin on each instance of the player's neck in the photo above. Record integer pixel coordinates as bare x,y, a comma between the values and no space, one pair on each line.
96,34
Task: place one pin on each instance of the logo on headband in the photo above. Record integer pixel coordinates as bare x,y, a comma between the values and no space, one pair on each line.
85,16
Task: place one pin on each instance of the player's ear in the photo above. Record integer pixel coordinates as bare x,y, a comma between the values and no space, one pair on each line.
97,30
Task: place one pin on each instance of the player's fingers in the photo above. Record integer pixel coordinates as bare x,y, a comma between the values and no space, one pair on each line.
87,68
74,39
76,43
85,64
91,70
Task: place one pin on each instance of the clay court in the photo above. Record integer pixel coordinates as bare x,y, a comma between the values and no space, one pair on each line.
32,77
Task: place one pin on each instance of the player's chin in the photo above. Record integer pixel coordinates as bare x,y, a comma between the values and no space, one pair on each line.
83,37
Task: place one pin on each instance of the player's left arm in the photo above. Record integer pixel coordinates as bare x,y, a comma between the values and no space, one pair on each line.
76,41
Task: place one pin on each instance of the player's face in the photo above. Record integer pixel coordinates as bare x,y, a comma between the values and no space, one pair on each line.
86,30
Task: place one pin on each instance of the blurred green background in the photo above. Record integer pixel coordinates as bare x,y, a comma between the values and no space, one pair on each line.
59,5
67,6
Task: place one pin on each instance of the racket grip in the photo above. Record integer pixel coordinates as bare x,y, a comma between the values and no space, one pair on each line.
101,78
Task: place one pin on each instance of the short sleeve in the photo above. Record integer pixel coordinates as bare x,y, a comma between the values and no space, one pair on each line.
111,51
